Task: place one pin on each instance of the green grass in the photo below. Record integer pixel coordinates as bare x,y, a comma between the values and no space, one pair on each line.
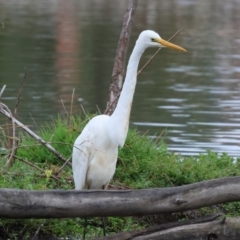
142,163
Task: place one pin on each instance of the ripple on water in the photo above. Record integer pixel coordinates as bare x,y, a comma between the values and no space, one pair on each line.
154,124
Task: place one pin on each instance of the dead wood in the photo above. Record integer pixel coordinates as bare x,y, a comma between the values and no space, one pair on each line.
97,203
12,141
119,63
2,90
20,92
153,229
32,134
219,229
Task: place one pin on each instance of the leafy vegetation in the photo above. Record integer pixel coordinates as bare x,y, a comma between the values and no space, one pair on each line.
143,163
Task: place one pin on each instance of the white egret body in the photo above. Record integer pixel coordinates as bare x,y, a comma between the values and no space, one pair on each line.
95,150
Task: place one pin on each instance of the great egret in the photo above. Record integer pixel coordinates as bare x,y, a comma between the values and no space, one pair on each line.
95,150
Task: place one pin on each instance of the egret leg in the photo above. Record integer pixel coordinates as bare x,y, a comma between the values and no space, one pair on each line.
104,226
84,228
104,187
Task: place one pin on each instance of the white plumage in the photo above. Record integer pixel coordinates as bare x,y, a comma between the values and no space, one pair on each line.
95,150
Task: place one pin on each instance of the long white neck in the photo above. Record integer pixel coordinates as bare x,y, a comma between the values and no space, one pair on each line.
119,120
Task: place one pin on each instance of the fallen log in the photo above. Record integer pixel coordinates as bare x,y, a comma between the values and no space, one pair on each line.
155,229
91,203
219,229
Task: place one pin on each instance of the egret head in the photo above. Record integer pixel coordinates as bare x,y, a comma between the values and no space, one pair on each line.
149,38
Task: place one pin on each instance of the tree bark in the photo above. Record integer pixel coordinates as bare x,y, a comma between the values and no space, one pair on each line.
97,203
218,229
119,63
155,229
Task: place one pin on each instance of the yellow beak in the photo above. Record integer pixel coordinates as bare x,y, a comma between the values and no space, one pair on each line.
170,45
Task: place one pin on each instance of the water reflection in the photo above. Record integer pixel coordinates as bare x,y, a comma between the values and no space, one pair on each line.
67,63
194,97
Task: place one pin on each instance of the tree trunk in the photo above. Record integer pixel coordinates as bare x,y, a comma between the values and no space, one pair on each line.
119,63
97,203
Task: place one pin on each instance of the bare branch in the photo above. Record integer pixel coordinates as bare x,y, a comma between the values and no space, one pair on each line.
20,91
2,90
84,112
157,52
118,69
36,167
71,110
13,139
61,168
32,134
64,107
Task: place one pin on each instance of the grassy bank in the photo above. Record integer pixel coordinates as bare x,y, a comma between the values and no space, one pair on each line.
142,163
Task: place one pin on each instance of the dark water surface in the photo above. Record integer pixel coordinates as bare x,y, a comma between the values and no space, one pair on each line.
193,97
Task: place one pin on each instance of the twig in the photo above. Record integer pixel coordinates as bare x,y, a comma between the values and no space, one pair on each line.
145,133
36,167
39,144
13,140
64,107
20,91
159,136
50,140
35,136
71,109
39,228
61,168
2,90
72,102
84,112
33,121
37,232
99,111
168,178
157,52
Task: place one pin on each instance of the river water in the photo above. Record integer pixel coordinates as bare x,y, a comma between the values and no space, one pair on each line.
191,99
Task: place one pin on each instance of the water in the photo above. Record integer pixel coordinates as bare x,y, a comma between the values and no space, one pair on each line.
190,99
